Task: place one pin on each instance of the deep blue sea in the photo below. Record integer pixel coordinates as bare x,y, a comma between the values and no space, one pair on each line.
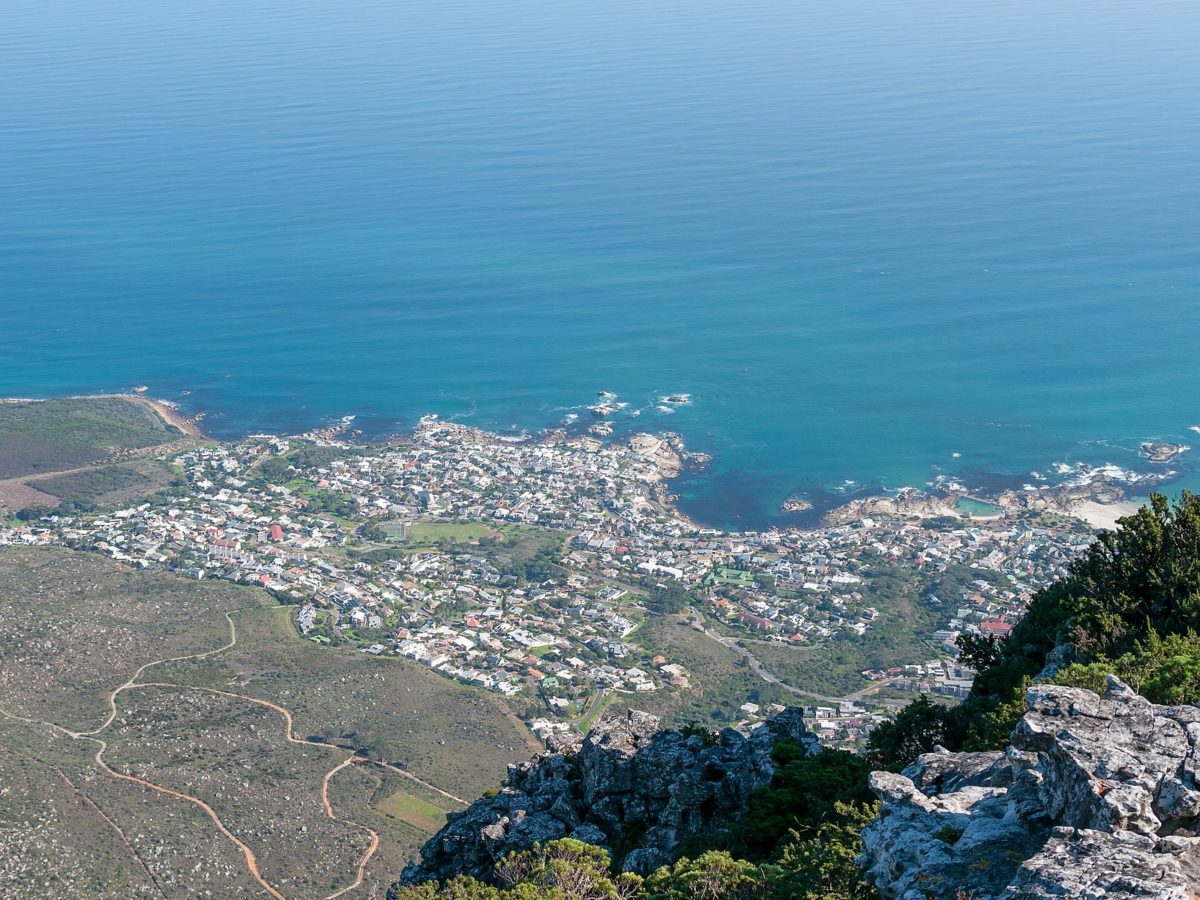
863,236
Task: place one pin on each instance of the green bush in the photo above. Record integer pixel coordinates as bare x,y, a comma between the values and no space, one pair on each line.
803,794
822,866
1163,669
714,875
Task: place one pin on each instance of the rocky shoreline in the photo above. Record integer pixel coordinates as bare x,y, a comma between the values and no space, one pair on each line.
1099,502
1096,495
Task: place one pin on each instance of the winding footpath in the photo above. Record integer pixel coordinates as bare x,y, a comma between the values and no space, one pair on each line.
251,859
737,646
88,801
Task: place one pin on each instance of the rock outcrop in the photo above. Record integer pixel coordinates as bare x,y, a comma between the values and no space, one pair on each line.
1097,797
637,790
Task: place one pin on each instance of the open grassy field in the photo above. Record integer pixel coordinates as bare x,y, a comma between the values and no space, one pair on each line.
412,810
452,532
511,542
51,435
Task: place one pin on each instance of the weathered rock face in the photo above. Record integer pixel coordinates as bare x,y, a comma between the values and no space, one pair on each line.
627,786
1098,797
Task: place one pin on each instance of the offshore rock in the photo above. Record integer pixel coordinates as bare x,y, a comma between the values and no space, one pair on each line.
1097,797
628,786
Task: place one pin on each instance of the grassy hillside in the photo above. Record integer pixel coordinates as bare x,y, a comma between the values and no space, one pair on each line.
106,485
51,435
77,625
721,680
68,831
205,727
456,737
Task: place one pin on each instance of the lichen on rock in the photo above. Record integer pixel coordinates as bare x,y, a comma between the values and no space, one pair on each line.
1097,797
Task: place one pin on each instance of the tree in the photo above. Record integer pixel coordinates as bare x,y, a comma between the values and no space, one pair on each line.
822,867
275,470
669,598
1163,669
565,869
461,887
978,650
373,531
917,729
714,875
803,793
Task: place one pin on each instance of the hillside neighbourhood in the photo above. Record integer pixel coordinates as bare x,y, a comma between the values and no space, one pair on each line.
526,567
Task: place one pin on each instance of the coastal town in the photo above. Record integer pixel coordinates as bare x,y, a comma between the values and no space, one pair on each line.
528,567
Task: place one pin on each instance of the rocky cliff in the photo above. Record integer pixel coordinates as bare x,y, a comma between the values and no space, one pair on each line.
1097,797
637,790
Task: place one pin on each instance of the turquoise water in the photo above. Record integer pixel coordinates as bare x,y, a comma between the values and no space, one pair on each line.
976,508
863,236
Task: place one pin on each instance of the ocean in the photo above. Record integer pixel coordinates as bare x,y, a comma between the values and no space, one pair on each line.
876,243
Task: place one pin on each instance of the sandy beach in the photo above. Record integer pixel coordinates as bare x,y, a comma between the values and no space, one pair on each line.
1102,515
167,413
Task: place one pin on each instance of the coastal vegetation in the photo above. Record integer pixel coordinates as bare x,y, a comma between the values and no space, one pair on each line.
103,487
79,455
52,435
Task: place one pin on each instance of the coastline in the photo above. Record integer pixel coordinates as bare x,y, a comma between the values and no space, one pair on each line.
1099,504
166,411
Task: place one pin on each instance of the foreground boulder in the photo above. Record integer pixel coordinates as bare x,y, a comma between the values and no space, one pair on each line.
628,786
1097,797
